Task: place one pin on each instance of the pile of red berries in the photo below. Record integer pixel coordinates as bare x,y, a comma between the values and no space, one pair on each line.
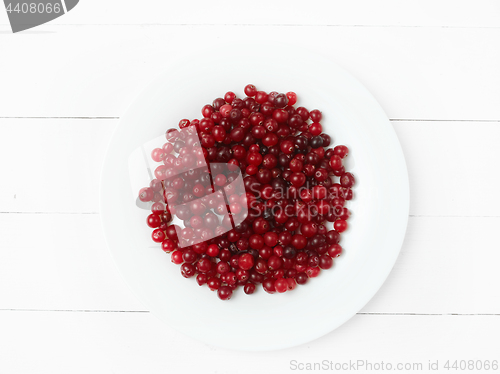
274,231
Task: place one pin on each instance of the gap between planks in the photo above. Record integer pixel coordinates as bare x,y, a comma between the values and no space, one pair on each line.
263,25
147,311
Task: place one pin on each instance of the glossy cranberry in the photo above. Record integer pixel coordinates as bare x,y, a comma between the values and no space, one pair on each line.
309,170
254,158
274,262
336,162
203,265
176,257
261,97
256,241
315,115
280,115
168,245
146,194
250,90
340,225
341,151
271,239
270,140
219,133
249,288
189,256
207,111
280,101
158,236
222,267
325,262
261,266
316,129
309,229
347,180
201,279
312,158
246,261
313,272
299,241
235,115
292,98
230,278
334,250
296,165
153,220
214,283
297,179
237,134
256,119
260,226
187,270
281,285
269,285
224,292
229,97
213,250
301,278
326,140
319,192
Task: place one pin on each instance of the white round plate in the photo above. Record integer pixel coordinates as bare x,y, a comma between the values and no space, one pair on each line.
376,228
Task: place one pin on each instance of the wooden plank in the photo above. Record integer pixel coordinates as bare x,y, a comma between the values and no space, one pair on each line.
415,73
481,13
54,165
446,265
452,167
60,262
132,343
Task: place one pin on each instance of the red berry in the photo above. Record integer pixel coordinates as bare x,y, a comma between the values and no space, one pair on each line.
246,261
292,98
281,285
250,90
316,129
315,115
325,262
341,151
334,250
269,285
153,220
158,236
249,288
340,225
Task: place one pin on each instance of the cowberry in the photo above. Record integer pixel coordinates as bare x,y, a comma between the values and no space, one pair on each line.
274,232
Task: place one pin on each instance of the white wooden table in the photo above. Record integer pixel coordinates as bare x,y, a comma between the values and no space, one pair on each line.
433,65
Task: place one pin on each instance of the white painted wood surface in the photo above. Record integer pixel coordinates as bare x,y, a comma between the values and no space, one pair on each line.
433,65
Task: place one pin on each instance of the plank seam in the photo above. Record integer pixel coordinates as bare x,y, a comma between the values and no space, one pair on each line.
147,311
427,314
268,25
73,310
